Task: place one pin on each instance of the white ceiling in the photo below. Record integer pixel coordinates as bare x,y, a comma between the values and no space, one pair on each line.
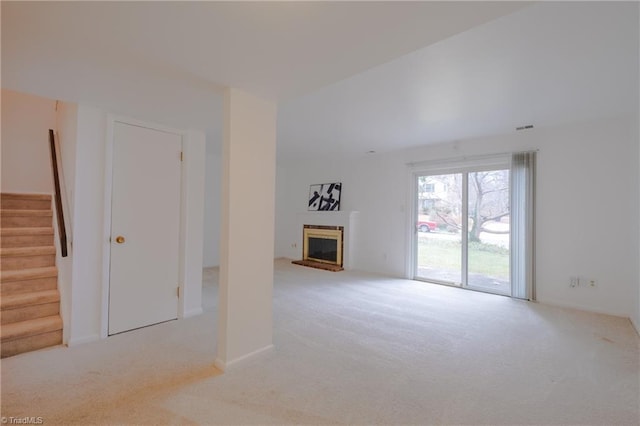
167,61
464,73
548,64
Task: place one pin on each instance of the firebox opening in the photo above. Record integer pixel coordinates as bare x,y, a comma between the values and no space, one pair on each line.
322,247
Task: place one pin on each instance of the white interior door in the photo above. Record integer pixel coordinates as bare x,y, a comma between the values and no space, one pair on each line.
145,227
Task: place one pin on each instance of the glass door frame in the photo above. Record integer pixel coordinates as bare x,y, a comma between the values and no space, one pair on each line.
499,163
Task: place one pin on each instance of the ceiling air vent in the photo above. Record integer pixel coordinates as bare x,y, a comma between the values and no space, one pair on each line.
528,126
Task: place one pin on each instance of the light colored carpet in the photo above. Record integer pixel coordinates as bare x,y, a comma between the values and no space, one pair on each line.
351,348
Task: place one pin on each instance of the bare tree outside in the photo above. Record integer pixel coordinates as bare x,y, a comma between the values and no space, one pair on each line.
488,202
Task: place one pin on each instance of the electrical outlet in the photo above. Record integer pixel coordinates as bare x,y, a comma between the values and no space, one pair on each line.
577,281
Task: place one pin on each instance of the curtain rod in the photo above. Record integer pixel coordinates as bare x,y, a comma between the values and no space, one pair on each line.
468,157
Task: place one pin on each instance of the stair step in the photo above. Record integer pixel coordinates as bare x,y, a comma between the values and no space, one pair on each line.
26,201
22,329
28,280
27,286
18,196
33,298
26,218
29,306
26,213
28,274
27,257
26,313
12,232
31,343
27,251
26,237
30,302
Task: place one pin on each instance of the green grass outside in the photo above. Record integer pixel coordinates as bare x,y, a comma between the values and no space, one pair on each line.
485,259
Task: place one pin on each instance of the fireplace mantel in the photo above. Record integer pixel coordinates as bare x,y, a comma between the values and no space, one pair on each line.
347,219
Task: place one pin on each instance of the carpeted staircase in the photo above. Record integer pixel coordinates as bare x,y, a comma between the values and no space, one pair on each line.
30,304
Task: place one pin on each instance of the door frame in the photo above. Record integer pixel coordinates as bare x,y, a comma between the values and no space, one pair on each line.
449,166
464,238
112,119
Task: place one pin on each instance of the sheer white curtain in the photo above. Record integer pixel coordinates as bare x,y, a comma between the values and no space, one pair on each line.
523,177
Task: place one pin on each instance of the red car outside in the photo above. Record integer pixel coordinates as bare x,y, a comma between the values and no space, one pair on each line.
425,225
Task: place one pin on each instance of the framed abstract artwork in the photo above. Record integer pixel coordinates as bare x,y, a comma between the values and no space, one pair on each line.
325,197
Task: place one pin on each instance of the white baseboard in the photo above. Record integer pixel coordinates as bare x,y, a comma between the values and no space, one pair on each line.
229,365
84,339
193,312
582,308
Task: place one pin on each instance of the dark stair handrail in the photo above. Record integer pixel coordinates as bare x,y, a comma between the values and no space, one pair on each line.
58,197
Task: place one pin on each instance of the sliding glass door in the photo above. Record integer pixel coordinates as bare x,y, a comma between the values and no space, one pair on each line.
462,228
438,228
488,233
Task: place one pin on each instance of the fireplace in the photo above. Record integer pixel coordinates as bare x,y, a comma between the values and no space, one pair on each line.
322,247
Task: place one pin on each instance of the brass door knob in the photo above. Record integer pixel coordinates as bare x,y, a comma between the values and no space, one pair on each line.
120,239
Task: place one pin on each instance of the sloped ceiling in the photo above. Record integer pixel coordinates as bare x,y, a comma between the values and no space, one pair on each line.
548,64
167,61
348,76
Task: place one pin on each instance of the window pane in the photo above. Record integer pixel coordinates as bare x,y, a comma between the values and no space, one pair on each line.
439,245
488,249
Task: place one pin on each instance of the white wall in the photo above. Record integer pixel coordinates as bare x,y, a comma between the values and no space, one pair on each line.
247,231
67,127
88,213
283,228
26,158
213,186
376,186
587,207
590,174
636,315
635,318
192,226
67,132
